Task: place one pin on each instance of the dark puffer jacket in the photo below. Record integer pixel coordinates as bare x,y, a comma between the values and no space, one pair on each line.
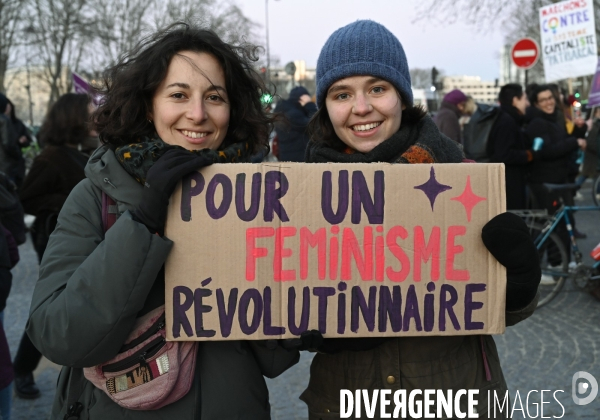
93,286
556,153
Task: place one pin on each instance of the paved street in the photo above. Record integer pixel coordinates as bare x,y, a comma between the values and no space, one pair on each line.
541,353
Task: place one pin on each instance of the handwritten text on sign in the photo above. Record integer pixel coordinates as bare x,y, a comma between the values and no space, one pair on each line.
268,251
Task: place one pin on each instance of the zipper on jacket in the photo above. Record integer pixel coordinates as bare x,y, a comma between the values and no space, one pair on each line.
154,328
107,181
142,356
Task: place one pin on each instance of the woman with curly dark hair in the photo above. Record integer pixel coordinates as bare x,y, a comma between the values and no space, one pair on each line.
182,100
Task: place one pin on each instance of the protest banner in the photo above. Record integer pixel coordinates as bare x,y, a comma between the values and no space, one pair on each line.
353,250
568,34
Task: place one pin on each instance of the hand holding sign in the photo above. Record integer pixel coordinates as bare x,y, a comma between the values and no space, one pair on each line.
507,238
160,182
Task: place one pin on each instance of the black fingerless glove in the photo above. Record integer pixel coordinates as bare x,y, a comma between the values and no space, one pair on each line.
161,179
507,238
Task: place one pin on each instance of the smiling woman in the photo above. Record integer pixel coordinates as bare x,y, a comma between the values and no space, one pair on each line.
190,107
364,111
366,115
183,99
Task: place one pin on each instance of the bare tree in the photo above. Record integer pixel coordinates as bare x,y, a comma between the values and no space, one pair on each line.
11,12
224,17
119,25
483,14
60,31
474,12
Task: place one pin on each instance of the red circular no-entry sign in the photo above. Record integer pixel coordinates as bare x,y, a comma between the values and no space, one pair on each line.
525,53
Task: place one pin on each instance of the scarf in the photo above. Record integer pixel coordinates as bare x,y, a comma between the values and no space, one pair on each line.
138,158
413,143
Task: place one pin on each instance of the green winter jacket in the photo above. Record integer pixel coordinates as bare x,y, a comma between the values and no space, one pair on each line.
91,289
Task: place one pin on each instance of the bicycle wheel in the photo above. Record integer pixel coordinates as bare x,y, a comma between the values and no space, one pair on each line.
554,262
596,191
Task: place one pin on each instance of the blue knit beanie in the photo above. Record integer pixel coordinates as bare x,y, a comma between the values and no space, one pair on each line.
363,48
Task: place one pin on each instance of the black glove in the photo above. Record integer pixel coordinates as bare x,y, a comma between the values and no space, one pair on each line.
161,179
309,340
507,238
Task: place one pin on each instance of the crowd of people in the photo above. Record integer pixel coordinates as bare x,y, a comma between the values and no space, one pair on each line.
534,133
184,99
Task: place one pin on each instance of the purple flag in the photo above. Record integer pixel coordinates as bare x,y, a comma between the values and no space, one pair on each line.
594,99
81,86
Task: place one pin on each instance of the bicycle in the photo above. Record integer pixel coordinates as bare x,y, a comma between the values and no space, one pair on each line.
596,191
555,260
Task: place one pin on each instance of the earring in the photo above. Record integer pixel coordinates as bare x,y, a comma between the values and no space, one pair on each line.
149,120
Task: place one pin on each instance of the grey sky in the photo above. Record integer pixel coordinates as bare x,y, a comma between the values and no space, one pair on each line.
299,28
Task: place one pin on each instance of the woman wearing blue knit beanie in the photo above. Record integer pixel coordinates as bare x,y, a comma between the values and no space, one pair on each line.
366,114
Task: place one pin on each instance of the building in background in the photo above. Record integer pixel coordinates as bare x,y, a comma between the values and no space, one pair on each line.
26,88
482,92
28,92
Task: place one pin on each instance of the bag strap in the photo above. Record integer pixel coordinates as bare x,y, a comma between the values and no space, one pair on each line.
109,211
74,407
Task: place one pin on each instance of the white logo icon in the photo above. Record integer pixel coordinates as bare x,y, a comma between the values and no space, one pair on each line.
581,388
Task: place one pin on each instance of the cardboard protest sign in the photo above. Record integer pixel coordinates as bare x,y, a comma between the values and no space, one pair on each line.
353,250
568,35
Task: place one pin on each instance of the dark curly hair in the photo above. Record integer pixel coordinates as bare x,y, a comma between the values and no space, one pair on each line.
67,121
130,85
321,130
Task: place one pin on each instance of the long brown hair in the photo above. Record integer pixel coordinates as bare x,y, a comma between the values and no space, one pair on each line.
67,121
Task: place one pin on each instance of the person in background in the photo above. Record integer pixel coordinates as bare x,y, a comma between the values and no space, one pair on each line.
12,162
555,157
447,118
592,149
569,116
52,177
292,137
366,115
508,144
9,257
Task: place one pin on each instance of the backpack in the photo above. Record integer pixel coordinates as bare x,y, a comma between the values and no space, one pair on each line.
477,131
148,372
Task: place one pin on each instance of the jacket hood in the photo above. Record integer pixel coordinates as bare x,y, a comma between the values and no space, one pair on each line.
105,172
